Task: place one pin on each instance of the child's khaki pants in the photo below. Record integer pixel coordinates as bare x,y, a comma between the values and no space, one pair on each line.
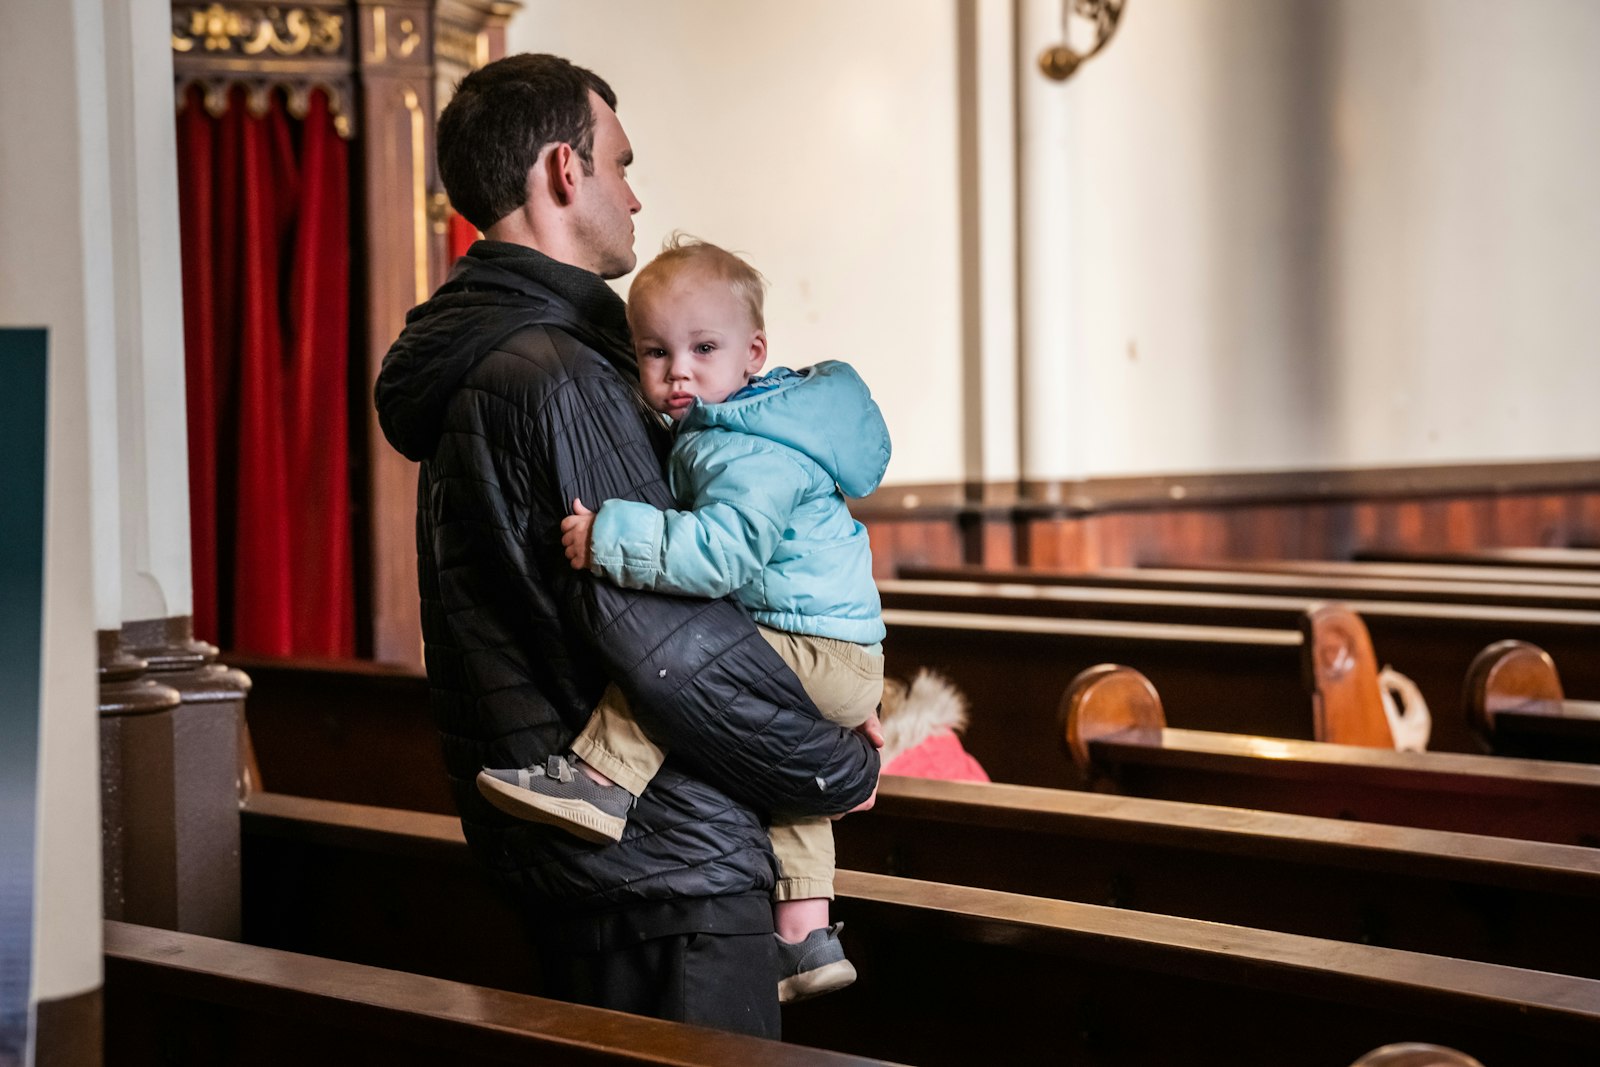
843,679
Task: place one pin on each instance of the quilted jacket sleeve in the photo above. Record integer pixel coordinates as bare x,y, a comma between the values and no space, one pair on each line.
702,681
745,490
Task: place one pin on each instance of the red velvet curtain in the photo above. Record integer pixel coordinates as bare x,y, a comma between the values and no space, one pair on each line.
264,203
462,234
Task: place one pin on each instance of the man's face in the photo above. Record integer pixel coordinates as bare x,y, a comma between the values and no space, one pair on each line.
604,204
694,339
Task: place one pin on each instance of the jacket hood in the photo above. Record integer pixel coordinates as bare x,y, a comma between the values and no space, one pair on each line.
495,290
825,411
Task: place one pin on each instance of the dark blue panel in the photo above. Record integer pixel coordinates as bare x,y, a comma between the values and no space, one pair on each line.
24,429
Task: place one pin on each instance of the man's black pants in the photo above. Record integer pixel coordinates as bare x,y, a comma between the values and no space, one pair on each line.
725,981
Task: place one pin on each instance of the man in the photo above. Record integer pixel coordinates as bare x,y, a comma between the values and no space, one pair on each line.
517,390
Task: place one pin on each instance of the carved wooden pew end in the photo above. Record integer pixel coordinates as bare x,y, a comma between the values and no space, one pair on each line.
1107,699
1507,675
1342,674
1410,1054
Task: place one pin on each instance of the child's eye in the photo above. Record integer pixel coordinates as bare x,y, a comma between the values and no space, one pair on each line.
705,348
652,353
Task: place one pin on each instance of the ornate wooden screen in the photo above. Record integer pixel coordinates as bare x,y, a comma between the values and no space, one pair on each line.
386,66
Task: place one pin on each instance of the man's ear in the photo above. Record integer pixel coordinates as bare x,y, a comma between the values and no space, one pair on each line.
560,173
758,352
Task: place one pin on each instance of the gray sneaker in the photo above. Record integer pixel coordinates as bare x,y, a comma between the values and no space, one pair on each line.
814,966
561,795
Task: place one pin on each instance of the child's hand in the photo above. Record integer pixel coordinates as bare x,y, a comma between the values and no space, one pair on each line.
872,730
575,530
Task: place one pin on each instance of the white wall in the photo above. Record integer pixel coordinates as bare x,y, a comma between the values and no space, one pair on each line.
1303,233
819,138
1339,234
1466,269
54,200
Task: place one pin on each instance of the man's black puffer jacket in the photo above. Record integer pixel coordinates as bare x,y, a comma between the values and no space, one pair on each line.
516,388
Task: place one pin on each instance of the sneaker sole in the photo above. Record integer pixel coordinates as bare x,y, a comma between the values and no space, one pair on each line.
577,817
816,982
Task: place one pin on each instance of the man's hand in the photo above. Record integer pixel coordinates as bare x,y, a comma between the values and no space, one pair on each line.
872,730
575,532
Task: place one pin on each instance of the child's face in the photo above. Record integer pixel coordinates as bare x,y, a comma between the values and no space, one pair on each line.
694,338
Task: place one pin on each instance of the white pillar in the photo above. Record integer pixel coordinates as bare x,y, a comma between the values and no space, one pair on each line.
54,261
989,240
1050,375
151,426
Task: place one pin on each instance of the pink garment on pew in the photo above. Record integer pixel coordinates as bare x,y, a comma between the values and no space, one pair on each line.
920,726
940,756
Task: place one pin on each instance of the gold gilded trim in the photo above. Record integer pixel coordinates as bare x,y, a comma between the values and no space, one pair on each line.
254,29
460,45
380,35
419,193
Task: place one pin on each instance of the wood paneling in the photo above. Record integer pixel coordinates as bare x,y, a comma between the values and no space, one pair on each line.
1132,522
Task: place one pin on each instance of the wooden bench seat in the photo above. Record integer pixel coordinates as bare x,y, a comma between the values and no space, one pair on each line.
1433,644
180,998
1115,727
1527,904
954,975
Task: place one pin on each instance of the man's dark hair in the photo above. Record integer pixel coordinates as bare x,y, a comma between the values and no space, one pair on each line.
492,130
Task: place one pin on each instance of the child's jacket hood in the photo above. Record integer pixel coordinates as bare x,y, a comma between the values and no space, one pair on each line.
825,412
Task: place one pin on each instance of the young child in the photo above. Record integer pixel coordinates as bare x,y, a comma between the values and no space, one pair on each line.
761,467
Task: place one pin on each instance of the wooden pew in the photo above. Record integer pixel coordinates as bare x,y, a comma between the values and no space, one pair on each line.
956,975
1578,582
337,729
1434,644
1013,671
1545,559
1526,904
180,998
1118,736
1343,587
309,726
1514,698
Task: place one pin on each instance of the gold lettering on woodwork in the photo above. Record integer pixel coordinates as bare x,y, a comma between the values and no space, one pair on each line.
409,39
380,34
253,30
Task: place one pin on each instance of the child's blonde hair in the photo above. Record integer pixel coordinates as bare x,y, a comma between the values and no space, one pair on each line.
682,252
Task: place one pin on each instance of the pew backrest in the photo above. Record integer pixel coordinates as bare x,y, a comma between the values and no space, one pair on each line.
952,972
1521,798
307,1007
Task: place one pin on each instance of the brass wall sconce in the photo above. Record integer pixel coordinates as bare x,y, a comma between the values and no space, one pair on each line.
1058,62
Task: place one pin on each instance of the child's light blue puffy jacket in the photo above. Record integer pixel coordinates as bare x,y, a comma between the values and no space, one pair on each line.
759,479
